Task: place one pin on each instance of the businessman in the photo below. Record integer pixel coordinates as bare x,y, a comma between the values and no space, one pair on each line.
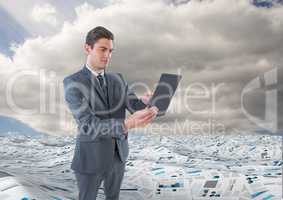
98,101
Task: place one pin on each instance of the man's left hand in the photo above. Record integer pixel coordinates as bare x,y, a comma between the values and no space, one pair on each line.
146,97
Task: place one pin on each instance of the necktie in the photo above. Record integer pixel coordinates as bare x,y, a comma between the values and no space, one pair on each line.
101,83
100,79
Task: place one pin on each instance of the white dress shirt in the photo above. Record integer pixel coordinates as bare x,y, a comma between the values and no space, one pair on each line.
95,73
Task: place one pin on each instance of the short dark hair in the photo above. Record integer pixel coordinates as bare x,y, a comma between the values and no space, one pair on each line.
97,33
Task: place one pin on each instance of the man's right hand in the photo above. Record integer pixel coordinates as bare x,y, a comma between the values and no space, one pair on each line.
141,118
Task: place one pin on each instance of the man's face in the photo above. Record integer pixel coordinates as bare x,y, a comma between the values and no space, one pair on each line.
99,56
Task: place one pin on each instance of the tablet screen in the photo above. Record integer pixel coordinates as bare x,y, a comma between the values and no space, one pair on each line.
164,92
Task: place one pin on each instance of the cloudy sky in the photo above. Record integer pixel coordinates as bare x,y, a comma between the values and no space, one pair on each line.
220,47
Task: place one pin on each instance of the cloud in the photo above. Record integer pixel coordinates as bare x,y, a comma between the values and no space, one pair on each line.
21,12
209,42
10,32
44,13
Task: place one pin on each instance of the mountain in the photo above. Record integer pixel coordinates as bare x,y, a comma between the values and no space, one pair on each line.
267,132
257,3
267,3
11,126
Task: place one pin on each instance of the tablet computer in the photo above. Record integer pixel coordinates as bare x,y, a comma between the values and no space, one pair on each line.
164,92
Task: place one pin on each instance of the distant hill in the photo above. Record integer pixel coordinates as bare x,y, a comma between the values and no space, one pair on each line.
12,126
267,3
267,132
257,3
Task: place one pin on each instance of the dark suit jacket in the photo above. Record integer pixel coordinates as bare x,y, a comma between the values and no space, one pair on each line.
100,118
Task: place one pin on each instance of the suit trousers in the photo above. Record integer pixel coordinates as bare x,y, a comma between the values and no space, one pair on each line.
88,184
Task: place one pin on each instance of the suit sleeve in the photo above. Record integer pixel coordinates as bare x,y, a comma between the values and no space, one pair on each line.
88,124
132,102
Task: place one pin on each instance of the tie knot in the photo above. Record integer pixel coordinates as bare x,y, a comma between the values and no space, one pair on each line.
100,79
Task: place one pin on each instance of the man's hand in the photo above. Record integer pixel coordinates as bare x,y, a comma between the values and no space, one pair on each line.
141,118
146,97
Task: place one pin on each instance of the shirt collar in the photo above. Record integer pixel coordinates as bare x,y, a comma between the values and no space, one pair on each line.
95,73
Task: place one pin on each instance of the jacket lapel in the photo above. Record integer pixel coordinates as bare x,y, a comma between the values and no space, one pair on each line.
110,89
